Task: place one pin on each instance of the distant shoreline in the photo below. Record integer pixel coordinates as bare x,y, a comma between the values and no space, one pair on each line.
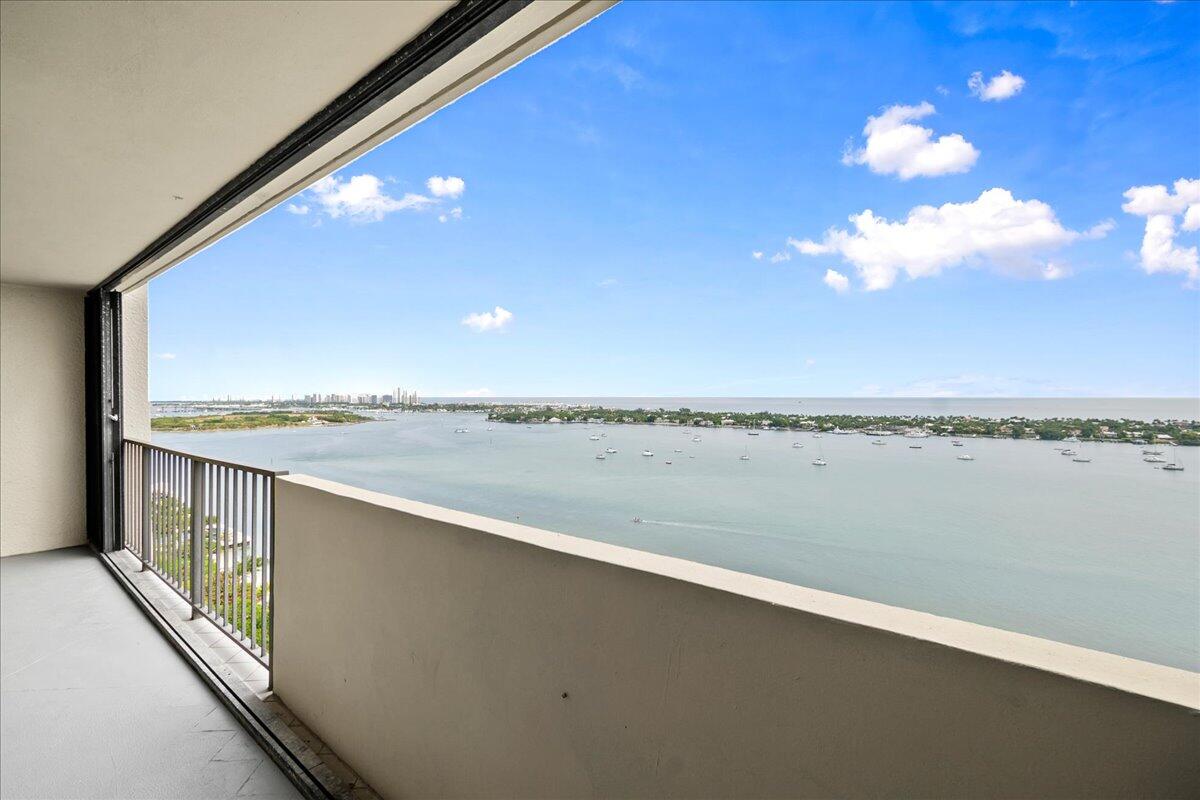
1139,432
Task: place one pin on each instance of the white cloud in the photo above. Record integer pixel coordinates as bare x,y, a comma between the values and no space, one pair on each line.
999,87
482,392
607,283
757,255
775,259
836,281
996,230
1054,271
1159,205
454,213
1191,218
942,90
895,146
292,208
445,187
166,356
362,198
808,362
488,320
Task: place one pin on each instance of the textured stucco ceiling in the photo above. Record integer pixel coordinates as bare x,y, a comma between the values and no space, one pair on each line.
117,119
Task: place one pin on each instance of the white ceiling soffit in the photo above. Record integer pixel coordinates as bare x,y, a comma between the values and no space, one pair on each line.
113,111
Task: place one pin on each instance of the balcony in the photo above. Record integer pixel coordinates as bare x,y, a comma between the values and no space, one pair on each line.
178,626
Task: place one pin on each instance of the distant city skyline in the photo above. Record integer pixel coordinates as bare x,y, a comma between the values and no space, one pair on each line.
708,200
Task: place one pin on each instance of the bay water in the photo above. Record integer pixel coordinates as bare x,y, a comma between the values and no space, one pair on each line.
1104,554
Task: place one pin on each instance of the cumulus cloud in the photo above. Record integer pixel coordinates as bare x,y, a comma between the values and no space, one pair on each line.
896,146
454,213
166,356
836,281
1160,206
488,320
446,187
778,257
607,283
998,87
362,198
997,230
292,208
757,255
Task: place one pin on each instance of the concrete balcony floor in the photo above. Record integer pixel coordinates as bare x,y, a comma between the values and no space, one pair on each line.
95,703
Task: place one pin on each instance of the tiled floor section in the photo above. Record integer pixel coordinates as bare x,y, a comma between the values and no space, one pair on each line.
248,680
95,703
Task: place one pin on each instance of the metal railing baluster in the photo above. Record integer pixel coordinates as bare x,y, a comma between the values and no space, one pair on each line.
207,527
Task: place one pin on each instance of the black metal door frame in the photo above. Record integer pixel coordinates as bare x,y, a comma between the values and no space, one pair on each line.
103,431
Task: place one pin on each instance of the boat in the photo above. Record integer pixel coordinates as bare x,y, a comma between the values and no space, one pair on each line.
752,433
1173,467
914,447
966,457
816,436
1081,460
594,437
1154,460
1069,452
668,462
677,450
1072,439
1152,452
637,519
600,456
819,462
491,429
797,445
695,438
743,458
461,430
610,449
956,443
647,453
878,441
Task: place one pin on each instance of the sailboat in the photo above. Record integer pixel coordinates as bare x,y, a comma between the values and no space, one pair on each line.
1080,458
647,453
595,437
797,445
746,456
600,456
1174,466
819,461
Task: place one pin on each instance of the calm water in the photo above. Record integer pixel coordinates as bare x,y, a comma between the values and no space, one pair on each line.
1104,555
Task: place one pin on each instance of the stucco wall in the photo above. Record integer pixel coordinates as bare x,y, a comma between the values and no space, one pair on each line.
135,364
442,654
42,491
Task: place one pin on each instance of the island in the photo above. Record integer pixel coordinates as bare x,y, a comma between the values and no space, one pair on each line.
1184,432
247,420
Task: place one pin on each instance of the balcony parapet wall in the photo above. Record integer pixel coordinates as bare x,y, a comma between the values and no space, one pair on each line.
441,653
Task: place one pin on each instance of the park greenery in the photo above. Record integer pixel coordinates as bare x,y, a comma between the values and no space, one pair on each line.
246,420
233,581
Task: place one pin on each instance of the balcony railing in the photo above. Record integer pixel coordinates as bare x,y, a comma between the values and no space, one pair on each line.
207,528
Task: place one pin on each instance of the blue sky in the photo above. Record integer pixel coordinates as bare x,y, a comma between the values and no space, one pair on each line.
674,200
